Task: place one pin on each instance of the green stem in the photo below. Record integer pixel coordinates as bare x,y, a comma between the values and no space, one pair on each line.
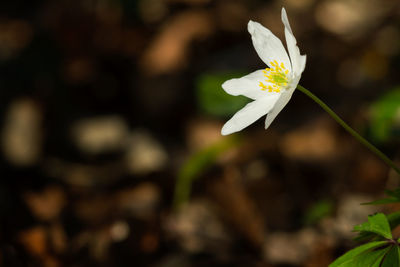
361,139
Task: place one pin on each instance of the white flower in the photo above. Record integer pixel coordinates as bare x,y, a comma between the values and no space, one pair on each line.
270,88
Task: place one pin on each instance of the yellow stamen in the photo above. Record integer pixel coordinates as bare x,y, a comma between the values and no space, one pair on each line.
276,77
263,87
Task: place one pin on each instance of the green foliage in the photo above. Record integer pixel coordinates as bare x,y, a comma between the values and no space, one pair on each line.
392,257
363,229
318,211
377,224
375,253
213,100
385,113
353,255
394,196
197,164
371,258
393,219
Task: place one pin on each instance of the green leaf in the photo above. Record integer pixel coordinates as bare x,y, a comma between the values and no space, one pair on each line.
350,255
392,257
377,224
369,258
385,116
213,100
367,236
398,254
394,196
393,219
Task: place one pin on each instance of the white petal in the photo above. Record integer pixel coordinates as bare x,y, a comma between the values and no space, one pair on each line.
267,45
280,104
250,113
248,85
298,61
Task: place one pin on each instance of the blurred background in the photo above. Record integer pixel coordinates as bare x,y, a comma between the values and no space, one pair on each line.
111,153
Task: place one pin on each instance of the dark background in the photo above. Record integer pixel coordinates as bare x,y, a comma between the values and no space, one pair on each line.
105,104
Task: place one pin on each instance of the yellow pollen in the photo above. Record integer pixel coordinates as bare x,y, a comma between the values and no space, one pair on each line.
263,87
276,77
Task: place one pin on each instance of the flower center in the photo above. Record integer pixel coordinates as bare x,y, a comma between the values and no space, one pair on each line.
276,77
